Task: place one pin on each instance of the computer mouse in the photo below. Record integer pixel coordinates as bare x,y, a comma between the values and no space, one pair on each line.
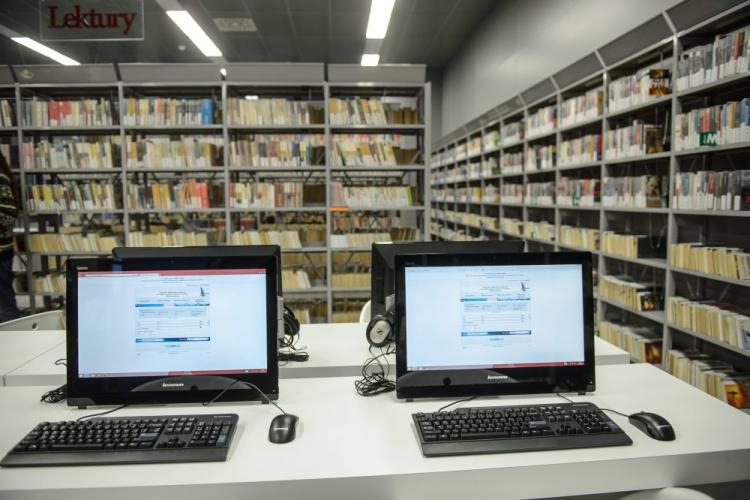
653,425
283,428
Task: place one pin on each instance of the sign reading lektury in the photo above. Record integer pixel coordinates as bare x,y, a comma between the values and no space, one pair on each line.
86,20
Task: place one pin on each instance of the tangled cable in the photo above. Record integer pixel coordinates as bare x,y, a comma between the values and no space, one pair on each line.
375,373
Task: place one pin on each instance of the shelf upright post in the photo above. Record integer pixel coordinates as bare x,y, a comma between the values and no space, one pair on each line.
225,166
525,176
123,163
25,219
558,147
328,214
602,266
426,156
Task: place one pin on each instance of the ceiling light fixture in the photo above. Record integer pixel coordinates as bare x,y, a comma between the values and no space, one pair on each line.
45,51
223,71
380,17
187,24
370,59
251,97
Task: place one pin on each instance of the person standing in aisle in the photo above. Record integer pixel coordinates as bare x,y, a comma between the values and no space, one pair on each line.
9,201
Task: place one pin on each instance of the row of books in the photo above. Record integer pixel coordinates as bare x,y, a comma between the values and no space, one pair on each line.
293,279
72,152
577,192
172,112
277,150
489,193
67,113
580,150
177,237
470,219
511,163
274,111
635,246
72,242
540,157
73,196
358,240
511,225
347,221
644,85
727,123
637,139
642,342
373,111
715,377
719,320
474,146
511,133
711,259
370,196
361,150
511,193
711,190
50,283
350,280
582,108
626,291
643,191
286,239
175,194
541,121
7,117
727,55
164,151
540,193
491,140
541,230
579,237
265,194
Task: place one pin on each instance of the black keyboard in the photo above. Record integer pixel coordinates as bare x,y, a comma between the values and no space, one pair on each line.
503,429
128,440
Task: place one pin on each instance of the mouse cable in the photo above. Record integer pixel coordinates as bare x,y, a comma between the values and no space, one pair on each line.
100,413
602,409
375,375
465,400
248,384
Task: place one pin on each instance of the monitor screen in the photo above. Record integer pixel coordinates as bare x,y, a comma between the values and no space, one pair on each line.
494,324
494,316
171,322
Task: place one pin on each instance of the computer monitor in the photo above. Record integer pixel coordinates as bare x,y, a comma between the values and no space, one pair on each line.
470,325
382,271
171,328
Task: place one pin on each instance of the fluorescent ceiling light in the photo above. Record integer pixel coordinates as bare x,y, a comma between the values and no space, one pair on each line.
223,71
251,97
380,16
187,24
45,51
370,59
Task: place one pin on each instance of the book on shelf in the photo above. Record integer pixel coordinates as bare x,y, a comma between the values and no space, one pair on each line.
642,342
175,194
286,239
295,279
643,86
71,152
540,157
577,192
715,377
362,150
577,150
358,240
637,139
276,150
721,321
541,230
72,242
727,55
474,146
636,295
174,151
540,193
644,191
541,121
634,246
718,260
489,168
491,140
719,125
490,193
511,133
265,194
303,314
170,112
177,237
71,195
274,111
371,196
372,111
67,113
7,116
579,237
49,283
350,280
582,108
511,226
511,163
711,190
511,193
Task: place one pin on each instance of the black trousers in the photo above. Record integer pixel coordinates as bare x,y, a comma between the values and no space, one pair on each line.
8,308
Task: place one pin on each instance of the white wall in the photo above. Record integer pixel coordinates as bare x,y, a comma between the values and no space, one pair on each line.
525,41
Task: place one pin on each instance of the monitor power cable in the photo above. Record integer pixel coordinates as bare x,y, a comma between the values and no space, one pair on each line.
247,385
375,373
59,394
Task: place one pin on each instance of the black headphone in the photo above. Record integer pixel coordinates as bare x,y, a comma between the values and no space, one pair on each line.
380,330
291,325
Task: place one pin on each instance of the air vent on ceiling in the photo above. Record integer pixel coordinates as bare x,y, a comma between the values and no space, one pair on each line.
235,24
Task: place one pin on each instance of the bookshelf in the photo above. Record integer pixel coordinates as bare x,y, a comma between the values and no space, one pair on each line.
155,155
631,163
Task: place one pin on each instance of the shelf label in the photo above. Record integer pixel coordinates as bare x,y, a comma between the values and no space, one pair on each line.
709,139
86,20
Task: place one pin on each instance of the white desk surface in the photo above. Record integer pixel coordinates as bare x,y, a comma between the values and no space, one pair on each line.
365,448
336,350
19,347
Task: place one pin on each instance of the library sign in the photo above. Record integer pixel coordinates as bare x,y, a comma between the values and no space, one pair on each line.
87,20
